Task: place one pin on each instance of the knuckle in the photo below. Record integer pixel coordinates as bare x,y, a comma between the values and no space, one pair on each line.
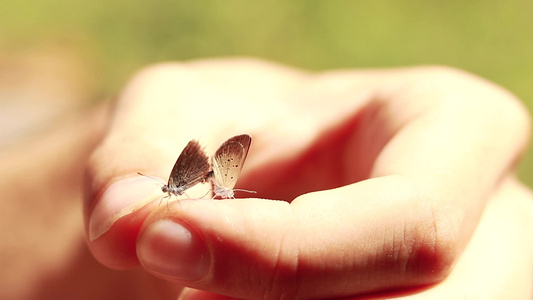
473,98
431,247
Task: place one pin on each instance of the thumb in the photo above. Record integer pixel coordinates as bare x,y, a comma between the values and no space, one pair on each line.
323,244
213,245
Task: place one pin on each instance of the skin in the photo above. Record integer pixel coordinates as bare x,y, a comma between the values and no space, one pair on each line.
395,183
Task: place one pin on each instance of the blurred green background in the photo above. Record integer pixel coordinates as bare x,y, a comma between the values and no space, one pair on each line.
115,38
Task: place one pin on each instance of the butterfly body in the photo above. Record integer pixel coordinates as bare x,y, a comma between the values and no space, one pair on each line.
223,192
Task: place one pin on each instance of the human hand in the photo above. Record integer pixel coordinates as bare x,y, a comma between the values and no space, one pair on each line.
387,174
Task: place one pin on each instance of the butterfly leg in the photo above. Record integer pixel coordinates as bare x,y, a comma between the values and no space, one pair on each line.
167,196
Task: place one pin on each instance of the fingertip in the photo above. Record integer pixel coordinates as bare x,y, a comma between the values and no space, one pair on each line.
116,219
119,199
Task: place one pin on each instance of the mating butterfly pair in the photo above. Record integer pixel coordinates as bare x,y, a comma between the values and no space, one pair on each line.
192,167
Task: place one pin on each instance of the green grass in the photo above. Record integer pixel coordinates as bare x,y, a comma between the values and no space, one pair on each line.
489,38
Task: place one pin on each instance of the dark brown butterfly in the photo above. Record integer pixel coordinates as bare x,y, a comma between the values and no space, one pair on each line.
190,169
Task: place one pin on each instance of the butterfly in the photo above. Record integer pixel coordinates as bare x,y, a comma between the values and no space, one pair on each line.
227,165
191,168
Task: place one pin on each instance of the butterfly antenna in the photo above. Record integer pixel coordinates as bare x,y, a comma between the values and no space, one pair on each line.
154,178
204,194
248,191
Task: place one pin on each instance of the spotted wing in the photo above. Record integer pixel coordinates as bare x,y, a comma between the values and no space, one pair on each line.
191,168
229,159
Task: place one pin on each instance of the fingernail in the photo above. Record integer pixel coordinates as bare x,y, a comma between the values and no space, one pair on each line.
170,249
121,198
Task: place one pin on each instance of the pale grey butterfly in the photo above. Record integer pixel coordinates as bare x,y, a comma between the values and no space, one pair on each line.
227,165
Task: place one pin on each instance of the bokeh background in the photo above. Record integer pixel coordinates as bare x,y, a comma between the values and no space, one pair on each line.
57,56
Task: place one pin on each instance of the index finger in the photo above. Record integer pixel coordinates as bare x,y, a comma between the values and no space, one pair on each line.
163,108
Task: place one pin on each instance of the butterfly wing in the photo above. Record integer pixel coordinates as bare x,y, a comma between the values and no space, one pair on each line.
191,168
229,159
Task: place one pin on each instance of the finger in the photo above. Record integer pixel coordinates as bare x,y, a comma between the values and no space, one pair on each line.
497,263
155,117
451,140
451,133
458,147
324,249
416,122
238,248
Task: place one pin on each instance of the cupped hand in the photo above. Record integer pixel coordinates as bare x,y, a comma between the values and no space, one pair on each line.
383,176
